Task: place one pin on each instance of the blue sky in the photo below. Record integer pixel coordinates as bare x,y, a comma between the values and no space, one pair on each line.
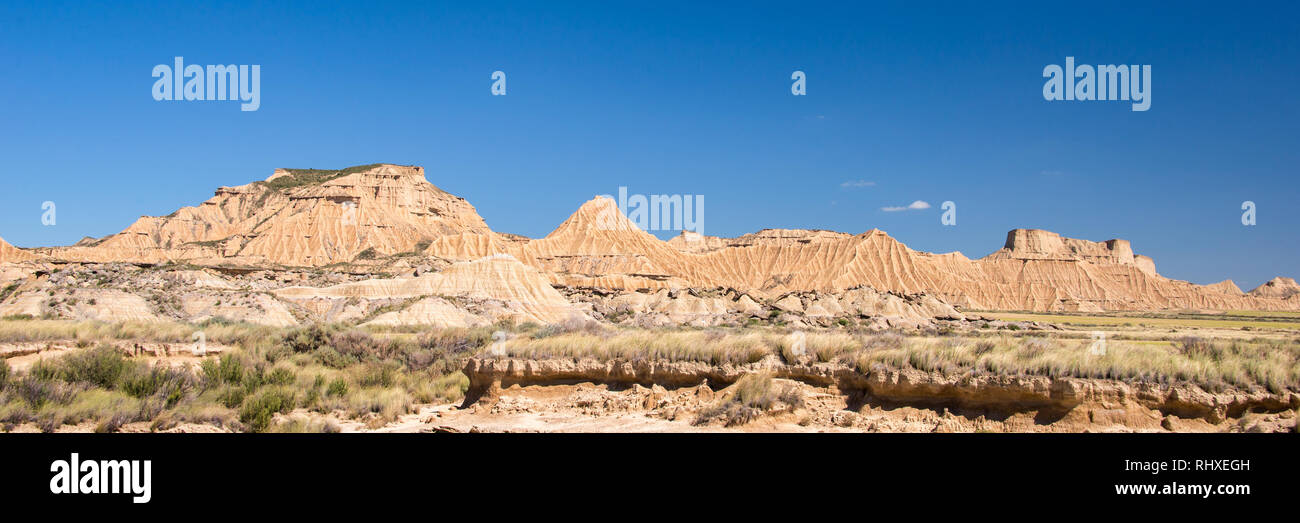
934,103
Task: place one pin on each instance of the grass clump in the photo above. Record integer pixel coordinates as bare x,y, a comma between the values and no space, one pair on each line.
258,410
752,396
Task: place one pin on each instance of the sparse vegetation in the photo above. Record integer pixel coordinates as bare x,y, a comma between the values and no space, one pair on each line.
353,373
749,398
305,177
278,379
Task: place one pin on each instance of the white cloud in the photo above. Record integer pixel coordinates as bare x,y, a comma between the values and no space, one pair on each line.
853,184
914,206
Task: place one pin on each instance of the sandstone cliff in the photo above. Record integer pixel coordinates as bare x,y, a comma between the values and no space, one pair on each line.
1278,287
298,217
9,253
368,215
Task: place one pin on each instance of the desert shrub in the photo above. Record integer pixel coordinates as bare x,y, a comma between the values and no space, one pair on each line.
4,374
386,403
750,397
359,345
38,392
230,396
338,387
427,388
313,393
101,366
308,339
280,376
884,340
278,352
113,422
329,357
228,369
1033,347
111,409
167,383
258,410
377,374
420,359
1195,347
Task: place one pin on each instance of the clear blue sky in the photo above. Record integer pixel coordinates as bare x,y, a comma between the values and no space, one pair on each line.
933,103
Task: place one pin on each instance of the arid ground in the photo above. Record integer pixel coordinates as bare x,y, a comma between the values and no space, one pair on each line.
368,299
1190,372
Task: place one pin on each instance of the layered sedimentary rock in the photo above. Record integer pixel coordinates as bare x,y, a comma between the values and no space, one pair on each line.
9,253
500,285
297,218
1278,287
366,215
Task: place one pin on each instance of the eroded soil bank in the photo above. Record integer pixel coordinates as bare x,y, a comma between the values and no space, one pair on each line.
594,395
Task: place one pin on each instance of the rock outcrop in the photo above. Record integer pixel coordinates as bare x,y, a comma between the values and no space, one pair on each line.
366,217
9,253
500,286
1278,287
298,217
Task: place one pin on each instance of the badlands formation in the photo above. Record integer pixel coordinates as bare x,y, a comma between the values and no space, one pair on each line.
363,258
379,243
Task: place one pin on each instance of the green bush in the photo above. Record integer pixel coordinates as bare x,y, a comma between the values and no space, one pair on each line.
280,376
230,396
338,387
167,383
229,369
258,410
308,339
329,357
102,366
37,392
378,375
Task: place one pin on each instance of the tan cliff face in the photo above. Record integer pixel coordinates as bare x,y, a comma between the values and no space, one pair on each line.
320,218
1278,287
9,253
297,218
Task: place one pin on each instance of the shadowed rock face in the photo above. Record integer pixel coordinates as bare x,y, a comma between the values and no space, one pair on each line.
304,218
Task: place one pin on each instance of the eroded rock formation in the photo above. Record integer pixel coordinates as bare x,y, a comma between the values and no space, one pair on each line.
382,219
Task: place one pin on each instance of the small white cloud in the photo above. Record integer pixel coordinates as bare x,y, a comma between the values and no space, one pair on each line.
852,184
914,206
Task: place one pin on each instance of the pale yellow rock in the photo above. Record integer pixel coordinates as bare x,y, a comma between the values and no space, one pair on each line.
9,253
434,312
389,209
500,277
1278,287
